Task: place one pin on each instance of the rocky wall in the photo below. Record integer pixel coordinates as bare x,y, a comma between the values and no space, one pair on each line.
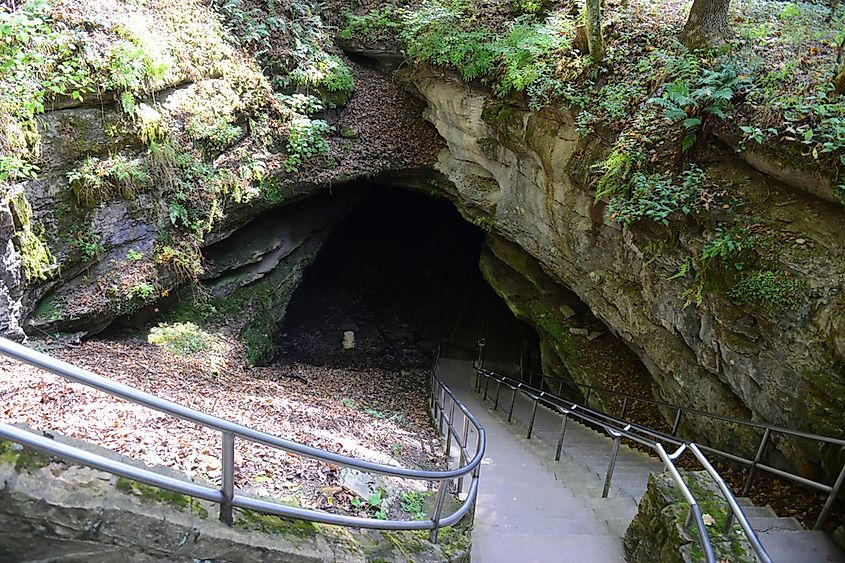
523,175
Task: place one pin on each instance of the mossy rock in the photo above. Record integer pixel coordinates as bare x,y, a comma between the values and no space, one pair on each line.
24,459
657,532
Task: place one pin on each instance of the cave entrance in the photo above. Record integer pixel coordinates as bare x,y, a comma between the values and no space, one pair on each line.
401,272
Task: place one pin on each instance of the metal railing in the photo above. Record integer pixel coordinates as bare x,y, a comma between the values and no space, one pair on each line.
226,495
754,463
618,429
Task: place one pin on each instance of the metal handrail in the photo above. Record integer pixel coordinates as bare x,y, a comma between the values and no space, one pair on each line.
708,414
229,430
755,463
618,429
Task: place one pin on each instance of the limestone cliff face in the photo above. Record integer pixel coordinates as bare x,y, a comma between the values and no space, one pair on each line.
522,174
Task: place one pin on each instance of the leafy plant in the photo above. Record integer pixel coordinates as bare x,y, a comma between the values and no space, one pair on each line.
413,503
184,339
87,243
712,95
376,25
770,290
133,255
183,259
142,291
656,197
349,403
97,181
305,141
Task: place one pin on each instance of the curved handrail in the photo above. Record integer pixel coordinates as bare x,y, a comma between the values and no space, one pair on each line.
617,429
708,414
229,430
755,463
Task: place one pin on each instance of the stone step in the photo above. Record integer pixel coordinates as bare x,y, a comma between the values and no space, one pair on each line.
775,523
806,546
752,511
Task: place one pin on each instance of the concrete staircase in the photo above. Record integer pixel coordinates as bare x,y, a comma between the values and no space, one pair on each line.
534,509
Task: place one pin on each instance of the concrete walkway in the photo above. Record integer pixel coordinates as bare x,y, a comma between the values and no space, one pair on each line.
533,509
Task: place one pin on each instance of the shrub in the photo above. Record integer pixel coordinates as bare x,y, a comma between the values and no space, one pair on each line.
767,289
184,339
305,141
97,181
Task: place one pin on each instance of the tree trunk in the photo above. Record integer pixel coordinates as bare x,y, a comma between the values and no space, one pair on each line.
839,79
707,25
839,83
595,40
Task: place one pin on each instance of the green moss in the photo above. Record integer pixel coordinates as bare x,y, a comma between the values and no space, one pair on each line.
48,309
263,298
454,540
38,261
150,494
552,326
249,520
22,458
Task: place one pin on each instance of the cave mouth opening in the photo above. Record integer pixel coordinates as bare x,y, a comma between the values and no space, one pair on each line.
401,272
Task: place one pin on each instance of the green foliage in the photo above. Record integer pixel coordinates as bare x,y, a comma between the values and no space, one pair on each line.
97,181
375,413
484,223
134,256
148,493
769,290
13,167
87,243
443,33
376,25
656,197
711,95
218,133
305,141
183,259
144,292
136,65
349,403
183,339
337,77
267,523
521,7
413,503
617,170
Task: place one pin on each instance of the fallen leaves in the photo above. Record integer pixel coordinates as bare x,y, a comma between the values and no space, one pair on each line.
261,398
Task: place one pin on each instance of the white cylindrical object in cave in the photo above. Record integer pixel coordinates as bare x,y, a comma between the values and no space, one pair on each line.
348,340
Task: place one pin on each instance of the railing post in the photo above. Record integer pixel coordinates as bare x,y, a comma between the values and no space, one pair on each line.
438,508
461,458
757,459
828,505
624,408
562,434
513,400
449,430
560,389
486,387
228,478
482,342
617,439
533,416
587,398
442,408
677,422
498,390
